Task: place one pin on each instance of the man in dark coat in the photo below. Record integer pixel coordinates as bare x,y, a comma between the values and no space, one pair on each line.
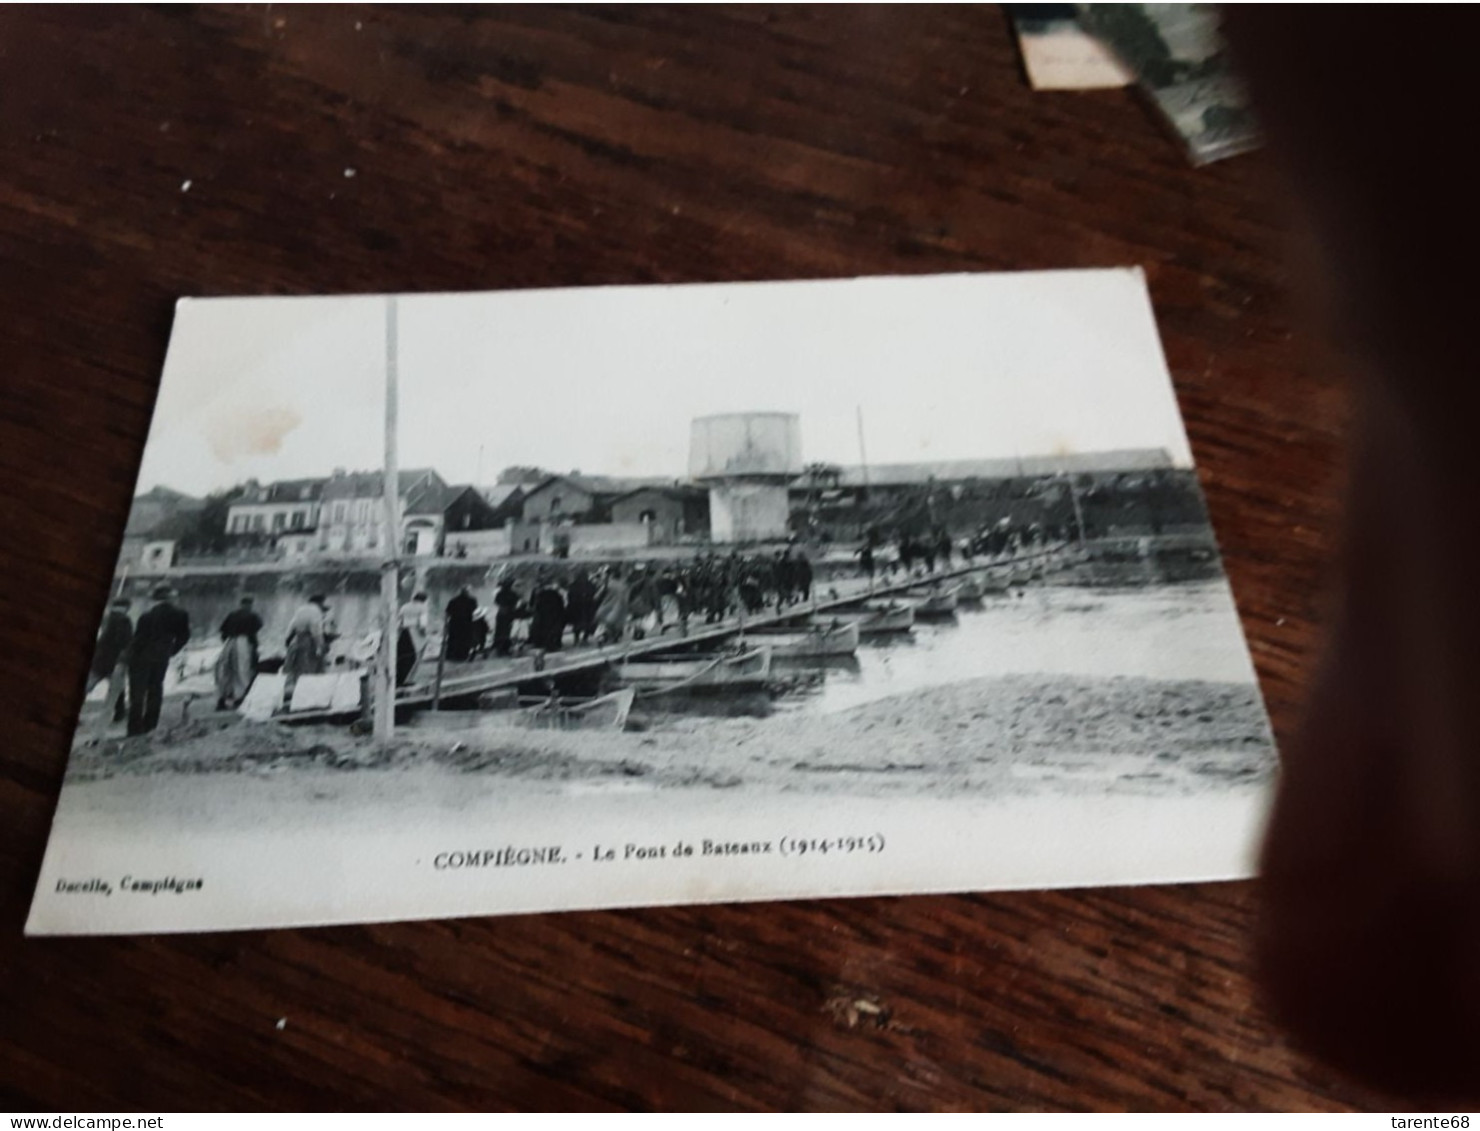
783,578
547,616
506,604
580,607
803,577
460,612
161,632
109,661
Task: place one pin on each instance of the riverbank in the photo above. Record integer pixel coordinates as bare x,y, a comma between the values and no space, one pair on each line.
1017,735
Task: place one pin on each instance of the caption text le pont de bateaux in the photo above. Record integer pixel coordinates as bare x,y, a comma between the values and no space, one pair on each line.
632,852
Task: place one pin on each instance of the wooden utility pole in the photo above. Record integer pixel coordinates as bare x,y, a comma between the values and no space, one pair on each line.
441,668
1078,512
385,684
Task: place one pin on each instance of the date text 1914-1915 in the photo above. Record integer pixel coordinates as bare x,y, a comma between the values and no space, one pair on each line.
785,846
871,843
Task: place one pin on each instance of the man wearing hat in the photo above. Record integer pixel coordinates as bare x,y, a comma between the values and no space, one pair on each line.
163,629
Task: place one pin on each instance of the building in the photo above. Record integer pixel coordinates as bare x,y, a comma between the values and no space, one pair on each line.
352,513
155,519
464,512
1103,492
273,509
895,476
579,498
157,555
154,506
882,482
507,501
481,545
747,460
424,515
674,513
562,497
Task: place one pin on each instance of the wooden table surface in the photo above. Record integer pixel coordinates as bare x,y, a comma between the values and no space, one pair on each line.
149,154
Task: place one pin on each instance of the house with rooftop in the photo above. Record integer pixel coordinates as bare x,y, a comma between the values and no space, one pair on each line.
285,512
507,501
880,482
152,530
352,515
580,498
674,513
352,512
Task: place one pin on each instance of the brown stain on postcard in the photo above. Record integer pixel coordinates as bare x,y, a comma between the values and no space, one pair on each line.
259,432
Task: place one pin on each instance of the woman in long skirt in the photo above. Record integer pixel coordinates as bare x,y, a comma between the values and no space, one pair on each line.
233,673
236,667
611,614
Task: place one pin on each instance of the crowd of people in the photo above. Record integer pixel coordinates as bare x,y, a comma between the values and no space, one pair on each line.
1010,539
922,553
134,658
571,605
562,605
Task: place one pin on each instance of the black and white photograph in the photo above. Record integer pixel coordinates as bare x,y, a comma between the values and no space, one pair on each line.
464,604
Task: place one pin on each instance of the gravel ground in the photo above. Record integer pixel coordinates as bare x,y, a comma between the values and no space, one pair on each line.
990,737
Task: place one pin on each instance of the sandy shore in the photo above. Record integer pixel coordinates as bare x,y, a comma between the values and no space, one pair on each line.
991,737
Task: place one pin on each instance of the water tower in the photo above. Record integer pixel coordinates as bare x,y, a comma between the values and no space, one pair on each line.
747,460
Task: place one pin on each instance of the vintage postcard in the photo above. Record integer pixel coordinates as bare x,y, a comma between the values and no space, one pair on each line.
466,604
1058,54
1178,53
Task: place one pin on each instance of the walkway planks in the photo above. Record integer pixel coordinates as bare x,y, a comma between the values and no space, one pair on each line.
478,677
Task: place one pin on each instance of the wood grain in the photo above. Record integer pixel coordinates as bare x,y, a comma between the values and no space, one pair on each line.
533,147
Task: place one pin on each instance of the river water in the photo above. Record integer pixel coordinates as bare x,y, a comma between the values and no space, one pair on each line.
1165,632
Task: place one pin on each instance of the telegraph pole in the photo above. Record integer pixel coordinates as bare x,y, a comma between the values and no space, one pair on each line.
1078,513
385,683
